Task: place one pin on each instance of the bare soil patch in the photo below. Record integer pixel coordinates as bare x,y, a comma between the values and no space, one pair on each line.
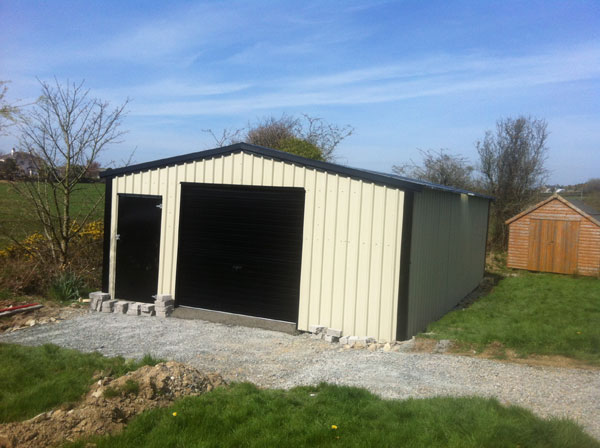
498,352
109,405
52,312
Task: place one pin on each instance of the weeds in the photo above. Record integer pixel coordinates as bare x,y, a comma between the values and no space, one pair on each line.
131,387
67,287
26,267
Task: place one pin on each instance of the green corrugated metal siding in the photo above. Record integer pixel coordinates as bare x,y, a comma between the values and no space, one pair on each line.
448,247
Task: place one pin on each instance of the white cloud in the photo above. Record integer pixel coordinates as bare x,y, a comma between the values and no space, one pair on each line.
436,76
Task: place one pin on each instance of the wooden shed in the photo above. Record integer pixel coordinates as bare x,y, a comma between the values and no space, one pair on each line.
556,235
252,231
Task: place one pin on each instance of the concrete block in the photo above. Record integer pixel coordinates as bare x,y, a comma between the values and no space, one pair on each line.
108,306
316,336
344,340
163,306
334,332
169,303
162,314
330,338
103,296
147,309
163,298
121,307
96,299
317,329
133,309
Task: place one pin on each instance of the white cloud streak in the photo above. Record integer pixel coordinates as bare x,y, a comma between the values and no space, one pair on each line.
442,75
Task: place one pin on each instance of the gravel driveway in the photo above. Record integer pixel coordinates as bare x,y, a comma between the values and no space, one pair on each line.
272,359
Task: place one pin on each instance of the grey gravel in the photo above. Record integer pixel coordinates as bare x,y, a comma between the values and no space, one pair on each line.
272,359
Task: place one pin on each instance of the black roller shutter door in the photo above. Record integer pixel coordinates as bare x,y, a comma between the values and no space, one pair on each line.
240,249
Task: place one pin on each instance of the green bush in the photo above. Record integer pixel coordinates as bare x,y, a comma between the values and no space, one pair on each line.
26,267
67,287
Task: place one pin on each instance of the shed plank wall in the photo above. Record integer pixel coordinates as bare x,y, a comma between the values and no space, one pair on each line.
351,252
588,252
447,256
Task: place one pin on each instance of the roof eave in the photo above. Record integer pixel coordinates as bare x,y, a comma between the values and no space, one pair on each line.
286,157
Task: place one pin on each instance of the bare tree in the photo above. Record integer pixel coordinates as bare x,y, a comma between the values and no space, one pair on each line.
592,185
512,164
286,132
227,136
439,167
63,133
324,135
8,112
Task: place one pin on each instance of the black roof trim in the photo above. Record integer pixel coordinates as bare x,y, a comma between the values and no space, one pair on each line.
370,176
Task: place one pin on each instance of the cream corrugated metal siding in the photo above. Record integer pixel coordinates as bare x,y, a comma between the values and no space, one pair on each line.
351,240
447,253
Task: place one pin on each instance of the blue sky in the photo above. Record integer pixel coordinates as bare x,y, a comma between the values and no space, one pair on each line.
405,75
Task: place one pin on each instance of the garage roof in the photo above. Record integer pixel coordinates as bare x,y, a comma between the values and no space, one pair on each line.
390,180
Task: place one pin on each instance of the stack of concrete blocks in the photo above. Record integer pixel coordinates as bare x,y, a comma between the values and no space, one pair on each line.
147,309
162,307
327,334
164,304
97,299
101,301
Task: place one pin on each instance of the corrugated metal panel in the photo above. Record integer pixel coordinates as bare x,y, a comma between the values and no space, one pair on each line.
448,246
351,240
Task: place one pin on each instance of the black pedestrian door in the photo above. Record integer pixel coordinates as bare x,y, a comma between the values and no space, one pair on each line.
138,245
240,249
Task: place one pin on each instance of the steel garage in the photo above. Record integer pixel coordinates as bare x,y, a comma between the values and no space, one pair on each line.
258,232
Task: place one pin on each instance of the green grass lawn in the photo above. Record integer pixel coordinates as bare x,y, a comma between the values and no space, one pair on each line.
17,218
36,379
544,314
243,416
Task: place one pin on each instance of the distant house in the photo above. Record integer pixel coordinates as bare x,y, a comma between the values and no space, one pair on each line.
556,235
25,163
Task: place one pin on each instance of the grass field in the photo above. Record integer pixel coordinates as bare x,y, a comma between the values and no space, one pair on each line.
17,218
334,416
36,379
544,314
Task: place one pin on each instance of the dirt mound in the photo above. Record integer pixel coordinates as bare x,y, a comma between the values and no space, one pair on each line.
110,404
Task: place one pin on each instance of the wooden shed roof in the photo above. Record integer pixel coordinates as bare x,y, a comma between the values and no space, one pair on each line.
593,217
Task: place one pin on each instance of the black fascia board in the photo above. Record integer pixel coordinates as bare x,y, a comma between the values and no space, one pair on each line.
355,173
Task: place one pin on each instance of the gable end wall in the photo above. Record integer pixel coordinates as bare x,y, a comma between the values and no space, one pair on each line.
351,239
588,255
